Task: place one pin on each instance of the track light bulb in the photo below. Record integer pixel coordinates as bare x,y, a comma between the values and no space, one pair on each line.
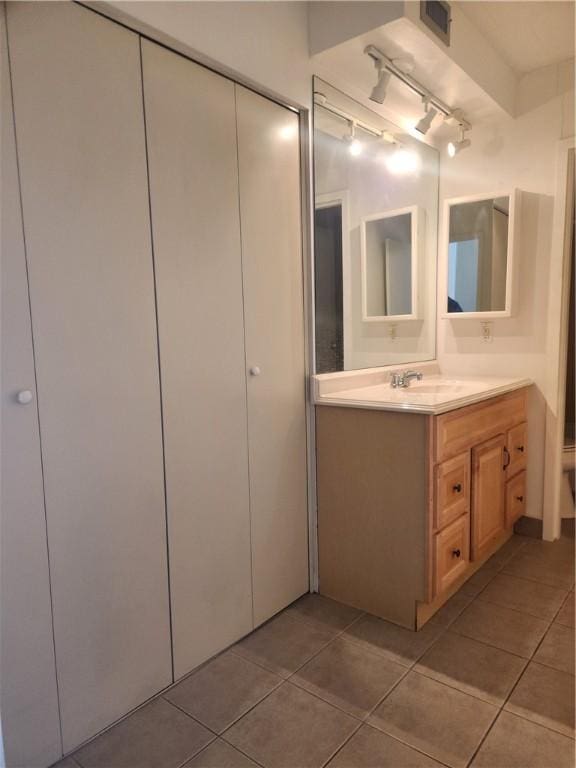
355,147
403,161
423,125
379,91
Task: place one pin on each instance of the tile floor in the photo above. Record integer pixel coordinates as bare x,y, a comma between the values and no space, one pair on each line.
487,683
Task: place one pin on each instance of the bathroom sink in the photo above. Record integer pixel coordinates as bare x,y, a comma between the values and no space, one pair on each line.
446,387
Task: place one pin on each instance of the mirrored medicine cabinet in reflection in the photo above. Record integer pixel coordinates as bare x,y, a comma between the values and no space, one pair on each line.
375,238
477,256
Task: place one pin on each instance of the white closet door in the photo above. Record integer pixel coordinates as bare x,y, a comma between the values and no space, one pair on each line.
191,131
269,166
28,693
80,132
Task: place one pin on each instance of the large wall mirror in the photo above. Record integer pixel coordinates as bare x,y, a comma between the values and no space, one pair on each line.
478,255
375,238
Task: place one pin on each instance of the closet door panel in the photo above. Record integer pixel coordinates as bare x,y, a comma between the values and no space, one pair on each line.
28,693
269,172
191,131
80,132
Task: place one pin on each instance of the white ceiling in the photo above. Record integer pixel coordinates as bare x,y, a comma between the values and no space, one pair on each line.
355,74
527,34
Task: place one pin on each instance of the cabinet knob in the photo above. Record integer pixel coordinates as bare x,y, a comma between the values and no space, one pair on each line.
255,371
456,553
520,448
24,396
457,488
519,498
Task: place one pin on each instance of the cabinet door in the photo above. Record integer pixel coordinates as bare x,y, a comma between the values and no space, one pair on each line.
28,694
80,131
487,494
191,133
269,163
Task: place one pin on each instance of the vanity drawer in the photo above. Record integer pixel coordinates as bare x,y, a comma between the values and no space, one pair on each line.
515,498
516,446
451,552
460,430
452,490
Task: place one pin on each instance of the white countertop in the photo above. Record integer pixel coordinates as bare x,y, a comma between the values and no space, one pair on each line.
434,394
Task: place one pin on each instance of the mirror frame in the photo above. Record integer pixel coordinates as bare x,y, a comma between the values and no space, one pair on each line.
416,219
513,220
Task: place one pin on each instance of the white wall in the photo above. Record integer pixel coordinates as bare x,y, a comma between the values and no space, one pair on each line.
263,42
518,153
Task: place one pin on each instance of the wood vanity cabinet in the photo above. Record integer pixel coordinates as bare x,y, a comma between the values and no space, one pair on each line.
411,505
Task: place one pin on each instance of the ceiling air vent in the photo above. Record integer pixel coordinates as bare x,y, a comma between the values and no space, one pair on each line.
436,15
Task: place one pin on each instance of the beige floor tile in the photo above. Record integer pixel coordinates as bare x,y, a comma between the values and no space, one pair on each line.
558,572
509,630
530,597
219,754
223,690
398,644
283,644
566,613
481,670
156,736
452,609
563,548
545,696
370,748
349,677
440,721
514,742
291,728
477,582
324,612
557,648
506,551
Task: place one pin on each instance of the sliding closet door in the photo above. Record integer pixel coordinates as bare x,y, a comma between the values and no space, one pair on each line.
269,169
28,693
80,132
191,131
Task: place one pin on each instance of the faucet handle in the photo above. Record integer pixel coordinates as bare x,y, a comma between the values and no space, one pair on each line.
396,379
414,375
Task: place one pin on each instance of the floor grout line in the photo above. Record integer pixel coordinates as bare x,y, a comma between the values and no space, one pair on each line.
382,654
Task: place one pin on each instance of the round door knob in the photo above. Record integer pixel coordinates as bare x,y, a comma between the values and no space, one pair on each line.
519,498
456,553
457,488
255,371
24,397
520,448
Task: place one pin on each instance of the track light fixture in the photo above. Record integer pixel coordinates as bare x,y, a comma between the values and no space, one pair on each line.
423,125
434,106
457,146
354,146
379,91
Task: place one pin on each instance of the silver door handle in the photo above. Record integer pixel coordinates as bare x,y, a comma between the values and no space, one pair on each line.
24,396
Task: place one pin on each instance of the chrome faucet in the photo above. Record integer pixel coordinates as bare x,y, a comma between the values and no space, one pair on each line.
403,378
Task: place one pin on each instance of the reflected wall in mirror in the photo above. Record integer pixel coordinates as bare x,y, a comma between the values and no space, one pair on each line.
389,263
478,255
375,238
